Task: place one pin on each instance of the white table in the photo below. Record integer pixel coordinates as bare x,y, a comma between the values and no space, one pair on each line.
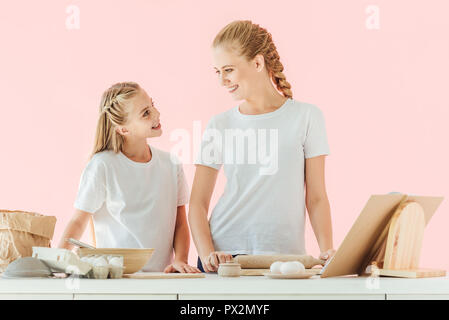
215,287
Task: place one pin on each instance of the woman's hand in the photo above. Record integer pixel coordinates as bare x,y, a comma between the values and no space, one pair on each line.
210,263
182,267
326,255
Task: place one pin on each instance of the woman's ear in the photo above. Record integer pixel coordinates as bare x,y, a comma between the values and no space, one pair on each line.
259,62
121,130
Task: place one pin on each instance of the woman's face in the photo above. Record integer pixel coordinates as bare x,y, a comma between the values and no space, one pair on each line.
235,72
143,117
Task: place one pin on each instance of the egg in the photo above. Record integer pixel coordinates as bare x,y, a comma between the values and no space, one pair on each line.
300,265
100,262
116,261
276,267
290,267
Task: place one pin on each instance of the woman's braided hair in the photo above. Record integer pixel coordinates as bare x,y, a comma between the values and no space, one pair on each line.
251,39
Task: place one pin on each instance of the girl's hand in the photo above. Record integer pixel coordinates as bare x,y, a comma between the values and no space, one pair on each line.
210,263
326,255
182,267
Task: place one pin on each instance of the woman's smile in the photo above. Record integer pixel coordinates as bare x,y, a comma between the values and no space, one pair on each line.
233,88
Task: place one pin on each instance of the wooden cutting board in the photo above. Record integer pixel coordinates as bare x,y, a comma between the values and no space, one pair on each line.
163,275
264,261
260,272
253,272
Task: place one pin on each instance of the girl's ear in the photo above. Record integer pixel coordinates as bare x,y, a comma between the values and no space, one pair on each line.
122,130
259,62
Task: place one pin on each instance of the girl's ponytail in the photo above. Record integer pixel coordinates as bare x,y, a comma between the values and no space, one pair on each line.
112,113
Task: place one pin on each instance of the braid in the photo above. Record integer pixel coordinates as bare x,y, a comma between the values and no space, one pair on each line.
276,69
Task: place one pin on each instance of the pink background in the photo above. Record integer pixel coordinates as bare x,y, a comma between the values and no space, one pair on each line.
383,93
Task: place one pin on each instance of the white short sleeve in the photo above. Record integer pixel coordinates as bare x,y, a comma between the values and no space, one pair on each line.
183,188
92,188
316,138
211,153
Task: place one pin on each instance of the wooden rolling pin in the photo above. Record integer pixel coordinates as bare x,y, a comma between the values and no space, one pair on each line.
248,261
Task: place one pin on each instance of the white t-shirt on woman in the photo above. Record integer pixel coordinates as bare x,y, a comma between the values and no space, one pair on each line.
134,204
262,209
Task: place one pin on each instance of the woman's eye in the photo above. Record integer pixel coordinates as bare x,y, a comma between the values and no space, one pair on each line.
146,113
228,70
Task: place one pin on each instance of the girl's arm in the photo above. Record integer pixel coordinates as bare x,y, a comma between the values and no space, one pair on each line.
74,229
181,244
202,189
318,205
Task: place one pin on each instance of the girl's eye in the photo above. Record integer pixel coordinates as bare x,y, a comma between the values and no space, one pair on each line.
146,113
228,70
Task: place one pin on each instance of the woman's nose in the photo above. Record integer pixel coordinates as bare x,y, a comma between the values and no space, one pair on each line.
223,80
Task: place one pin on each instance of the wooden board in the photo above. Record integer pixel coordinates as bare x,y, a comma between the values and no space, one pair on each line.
405,235
261,272
366,230
163,275
413,273
253,272
248,261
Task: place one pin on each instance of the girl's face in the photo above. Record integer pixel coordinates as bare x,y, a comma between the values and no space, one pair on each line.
235,72
143,117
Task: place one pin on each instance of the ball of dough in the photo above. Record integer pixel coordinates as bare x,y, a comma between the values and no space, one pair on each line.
276,267
290,267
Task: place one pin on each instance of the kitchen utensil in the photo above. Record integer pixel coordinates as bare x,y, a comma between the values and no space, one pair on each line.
265,261
163,275
367,241
27,267
79,243
133,259
61,260
261,272
230,269
304,275
254,272
403,245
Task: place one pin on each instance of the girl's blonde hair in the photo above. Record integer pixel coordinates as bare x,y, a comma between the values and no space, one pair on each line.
113,112
252,40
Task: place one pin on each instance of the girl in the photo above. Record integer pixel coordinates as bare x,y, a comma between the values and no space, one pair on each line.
134,192
262,208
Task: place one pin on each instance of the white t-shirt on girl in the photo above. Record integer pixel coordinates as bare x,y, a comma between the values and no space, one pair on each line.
133,204
262,209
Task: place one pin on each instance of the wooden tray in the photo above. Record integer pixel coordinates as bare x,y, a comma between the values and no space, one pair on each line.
163,275
262,272
305,275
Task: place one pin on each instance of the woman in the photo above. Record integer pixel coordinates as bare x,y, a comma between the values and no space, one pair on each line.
262,208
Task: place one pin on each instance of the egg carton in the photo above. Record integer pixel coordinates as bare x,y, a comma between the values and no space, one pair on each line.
104,266
61,260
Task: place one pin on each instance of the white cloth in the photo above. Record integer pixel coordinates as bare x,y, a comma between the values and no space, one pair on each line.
262,209
134,204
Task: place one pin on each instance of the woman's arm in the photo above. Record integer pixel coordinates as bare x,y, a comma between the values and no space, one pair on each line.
202,189
318,204
74,229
